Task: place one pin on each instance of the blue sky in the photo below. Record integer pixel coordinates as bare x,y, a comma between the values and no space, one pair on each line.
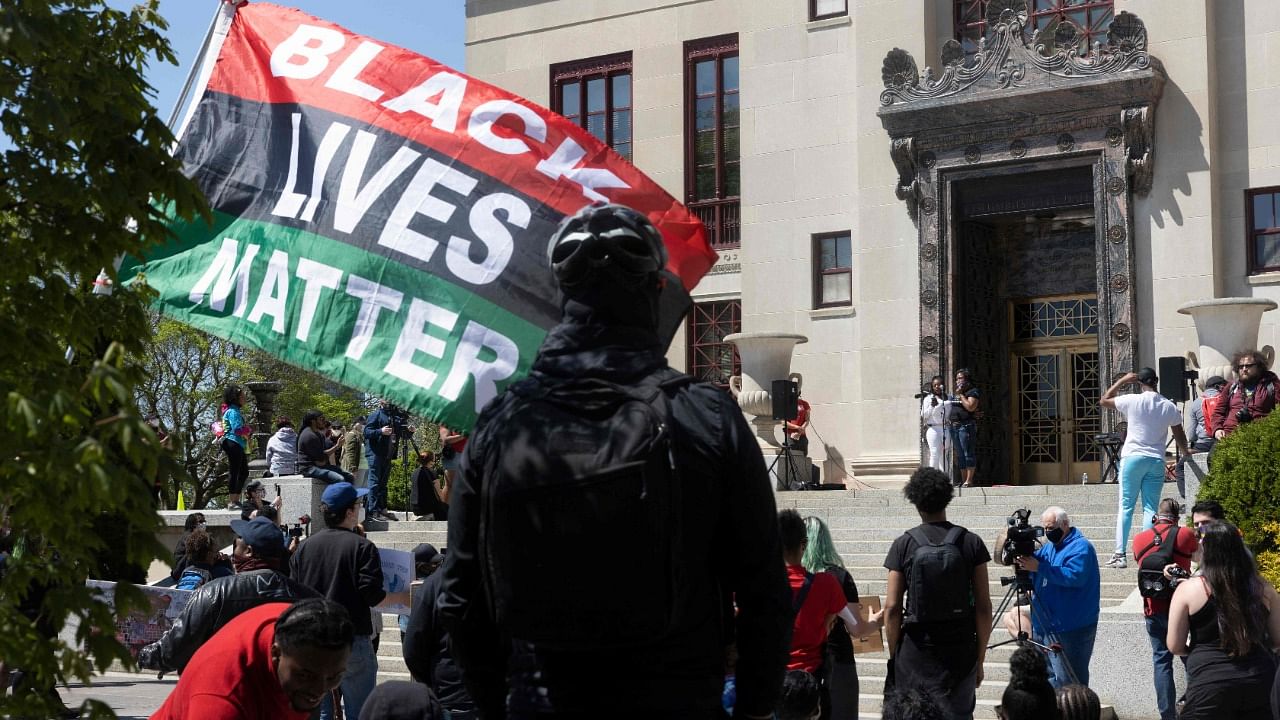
430,27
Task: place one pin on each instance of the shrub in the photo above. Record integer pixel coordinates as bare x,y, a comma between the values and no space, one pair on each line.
1244,476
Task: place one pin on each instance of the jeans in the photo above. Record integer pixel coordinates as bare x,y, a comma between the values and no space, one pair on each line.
328,473
1077,650
376,502
1138,473
358,682
1180,472
1162,659
964,437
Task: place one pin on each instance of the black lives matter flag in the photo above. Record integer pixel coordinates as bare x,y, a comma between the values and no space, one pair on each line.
382,219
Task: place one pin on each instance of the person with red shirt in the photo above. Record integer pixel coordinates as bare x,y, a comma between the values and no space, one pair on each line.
273,662
818,600
797,430
1156,610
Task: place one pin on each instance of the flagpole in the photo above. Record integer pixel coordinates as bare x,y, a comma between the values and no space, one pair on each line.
202,69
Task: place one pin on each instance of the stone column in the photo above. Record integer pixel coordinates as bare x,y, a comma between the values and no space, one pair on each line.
264,403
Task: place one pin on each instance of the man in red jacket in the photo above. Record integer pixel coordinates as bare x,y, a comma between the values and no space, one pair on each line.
1156,610
1250,397
276,661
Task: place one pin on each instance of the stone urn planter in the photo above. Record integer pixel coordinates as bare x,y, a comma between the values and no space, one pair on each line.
765,357
1225,326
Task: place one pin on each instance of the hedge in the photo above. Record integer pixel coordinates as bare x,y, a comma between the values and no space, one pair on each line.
1244,476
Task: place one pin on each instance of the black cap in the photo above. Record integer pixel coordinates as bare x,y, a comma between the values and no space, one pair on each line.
1215,381
1148,377
424,553
401,700
260,534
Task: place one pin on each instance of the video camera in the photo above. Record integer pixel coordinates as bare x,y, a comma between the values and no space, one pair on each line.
399,421
1020,536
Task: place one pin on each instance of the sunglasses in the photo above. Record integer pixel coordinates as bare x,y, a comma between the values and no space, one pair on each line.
1246,366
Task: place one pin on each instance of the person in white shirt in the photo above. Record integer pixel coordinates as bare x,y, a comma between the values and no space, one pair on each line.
1150,417
933,413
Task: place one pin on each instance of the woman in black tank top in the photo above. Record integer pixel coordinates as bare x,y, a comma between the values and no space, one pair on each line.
1233,619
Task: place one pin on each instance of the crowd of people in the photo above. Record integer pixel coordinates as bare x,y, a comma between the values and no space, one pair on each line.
614,550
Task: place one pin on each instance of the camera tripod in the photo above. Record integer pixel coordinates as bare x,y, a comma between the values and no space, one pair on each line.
791,470
1020,588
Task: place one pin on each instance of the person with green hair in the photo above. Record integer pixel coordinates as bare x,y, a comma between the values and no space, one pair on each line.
820,555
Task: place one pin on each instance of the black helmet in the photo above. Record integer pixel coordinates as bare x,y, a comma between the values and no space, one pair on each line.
600,237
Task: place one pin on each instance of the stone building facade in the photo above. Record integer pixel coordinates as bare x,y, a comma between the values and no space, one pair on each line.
1027,188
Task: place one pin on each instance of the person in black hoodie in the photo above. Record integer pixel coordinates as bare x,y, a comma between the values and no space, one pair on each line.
426,651
609,262
345,568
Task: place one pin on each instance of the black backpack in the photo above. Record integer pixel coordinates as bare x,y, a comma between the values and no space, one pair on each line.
581,525
1151,580
940,581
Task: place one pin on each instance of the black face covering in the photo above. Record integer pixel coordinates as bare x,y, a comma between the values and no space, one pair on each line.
1055,535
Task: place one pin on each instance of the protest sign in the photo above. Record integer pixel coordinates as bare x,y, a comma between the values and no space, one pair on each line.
382,219
140,628
397,576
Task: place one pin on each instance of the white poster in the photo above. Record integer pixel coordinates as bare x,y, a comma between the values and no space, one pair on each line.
397,576
140,628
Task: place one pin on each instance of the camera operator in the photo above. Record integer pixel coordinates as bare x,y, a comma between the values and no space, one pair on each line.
387,425
933,413
1066,596
1164,555
963,415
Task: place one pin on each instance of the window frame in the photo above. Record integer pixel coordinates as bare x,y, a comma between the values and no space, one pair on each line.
958,26
692,346
1252,234
814,16
583,70
820,272
723,210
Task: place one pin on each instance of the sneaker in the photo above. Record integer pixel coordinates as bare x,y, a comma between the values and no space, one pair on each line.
390,516
1117,561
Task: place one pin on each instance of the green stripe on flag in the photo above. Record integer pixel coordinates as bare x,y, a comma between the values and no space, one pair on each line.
359,318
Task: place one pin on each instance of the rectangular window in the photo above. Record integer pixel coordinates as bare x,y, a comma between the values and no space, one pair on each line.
1262,208
832,270
596,94
1092,17
711,130
710,358
823,9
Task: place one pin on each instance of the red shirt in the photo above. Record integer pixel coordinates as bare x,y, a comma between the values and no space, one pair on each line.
230,677
1185,544
809,635
795,428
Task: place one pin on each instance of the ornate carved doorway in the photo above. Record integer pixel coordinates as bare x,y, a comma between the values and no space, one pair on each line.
1032,137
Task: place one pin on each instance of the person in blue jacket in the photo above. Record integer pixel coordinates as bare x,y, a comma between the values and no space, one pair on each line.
1065,599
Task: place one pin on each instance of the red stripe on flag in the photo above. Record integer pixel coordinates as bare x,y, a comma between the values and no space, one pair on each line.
244,69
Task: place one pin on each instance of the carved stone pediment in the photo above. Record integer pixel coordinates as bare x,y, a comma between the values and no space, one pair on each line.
1016,82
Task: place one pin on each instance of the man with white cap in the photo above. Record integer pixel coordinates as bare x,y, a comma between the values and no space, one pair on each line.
346,568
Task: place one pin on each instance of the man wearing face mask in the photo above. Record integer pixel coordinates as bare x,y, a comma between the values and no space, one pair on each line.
1066,597
259,557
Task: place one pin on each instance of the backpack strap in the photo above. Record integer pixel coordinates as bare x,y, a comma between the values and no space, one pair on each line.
953,536
797,602
918,535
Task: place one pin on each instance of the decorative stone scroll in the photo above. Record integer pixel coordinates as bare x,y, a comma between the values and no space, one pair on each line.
902,150
1004,62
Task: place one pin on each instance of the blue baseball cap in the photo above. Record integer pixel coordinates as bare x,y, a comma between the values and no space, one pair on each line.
260,534
342,495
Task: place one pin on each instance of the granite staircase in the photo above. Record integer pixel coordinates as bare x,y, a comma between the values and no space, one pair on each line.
865,522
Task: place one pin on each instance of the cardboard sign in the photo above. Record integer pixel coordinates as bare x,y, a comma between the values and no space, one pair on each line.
138,629
397,576
871,643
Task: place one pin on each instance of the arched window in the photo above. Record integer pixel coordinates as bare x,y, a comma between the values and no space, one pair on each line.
1093,17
